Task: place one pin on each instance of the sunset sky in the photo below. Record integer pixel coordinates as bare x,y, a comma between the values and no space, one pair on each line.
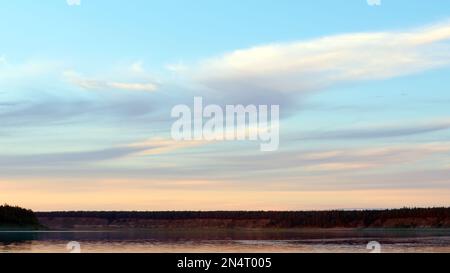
86,93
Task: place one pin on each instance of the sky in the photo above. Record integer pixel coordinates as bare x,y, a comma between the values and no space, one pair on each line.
87,88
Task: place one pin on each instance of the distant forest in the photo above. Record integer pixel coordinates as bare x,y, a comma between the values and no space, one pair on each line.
12,217
398,218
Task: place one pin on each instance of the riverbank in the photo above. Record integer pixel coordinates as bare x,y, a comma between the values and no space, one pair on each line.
16,218
396,219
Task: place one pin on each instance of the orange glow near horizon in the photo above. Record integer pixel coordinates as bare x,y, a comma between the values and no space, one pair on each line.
44,197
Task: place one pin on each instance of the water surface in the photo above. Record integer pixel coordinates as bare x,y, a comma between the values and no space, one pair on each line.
240,241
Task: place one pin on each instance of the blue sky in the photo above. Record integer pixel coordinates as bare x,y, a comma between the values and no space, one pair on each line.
86,93
168,31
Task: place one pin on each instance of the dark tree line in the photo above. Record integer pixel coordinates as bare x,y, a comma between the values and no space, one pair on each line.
320,219
17,217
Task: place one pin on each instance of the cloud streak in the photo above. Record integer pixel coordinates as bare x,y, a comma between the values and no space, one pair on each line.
293,69
150,147
378,132
93,84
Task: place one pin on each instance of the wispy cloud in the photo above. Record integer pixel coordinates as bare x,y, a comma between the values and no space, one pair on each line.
137,67
62,158
303,163
94,84
287,69
165,145
155,146
385,131
177,67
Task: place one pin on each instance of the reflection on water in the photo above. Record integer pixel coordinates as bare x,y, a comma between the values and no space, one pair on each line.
198,241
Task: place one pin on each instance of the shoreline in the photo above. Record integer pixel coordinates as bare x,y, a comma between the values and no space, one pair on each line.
234,229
